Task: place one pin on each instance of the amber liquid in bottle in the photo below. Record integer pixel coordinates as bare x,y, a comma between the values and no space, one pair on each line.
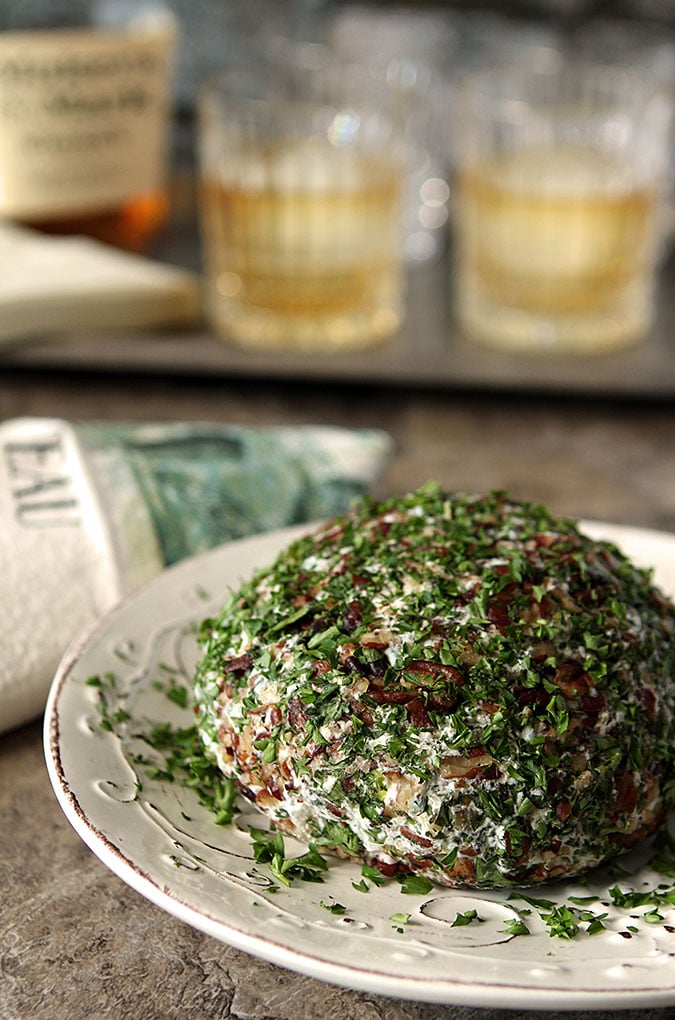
134,225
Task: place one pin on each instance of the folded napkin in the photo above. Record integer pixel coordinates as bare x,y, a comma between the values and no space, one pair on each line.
52,284
90,511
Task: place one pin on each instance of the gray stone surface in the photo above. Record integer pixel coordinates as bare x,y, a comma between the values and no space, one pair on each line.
78,944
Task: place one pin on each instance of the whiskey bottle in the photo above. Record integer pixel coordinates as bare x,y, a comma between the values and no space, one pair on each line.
85,107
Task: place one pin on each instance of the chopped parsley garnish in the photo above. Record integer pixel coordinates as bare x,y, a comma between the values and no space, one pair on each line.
515,926
415,885
333,908
561,922
184,760
269,849
372,874
467,917
178,693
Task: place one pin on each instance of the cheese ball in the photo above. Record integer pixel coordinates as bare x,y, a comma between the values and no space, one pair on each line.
465,687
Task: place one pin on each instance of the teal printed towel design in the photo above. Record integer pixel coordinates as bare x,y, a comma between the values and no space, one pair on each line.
91,510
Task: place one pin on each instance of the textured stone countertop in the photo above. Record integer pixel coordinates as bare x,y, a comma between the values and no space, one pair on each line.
77,943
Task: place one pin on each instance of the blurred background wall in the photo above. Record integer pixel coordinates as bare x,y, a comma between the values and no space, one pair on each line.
214,32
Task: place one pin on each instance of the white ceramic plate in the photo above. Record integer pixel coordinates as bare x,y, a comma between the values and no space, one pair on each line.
163,844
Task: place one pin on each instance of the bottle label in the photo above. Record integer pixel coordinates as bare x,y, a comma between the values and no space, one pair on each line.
83,119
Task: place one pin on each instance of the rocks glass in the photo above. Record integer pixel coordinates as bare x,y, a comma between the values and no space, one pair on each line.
559,205
301,170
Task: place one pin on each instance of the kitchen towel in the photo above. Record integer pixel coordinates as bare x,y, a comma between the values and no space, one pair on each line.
89,511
